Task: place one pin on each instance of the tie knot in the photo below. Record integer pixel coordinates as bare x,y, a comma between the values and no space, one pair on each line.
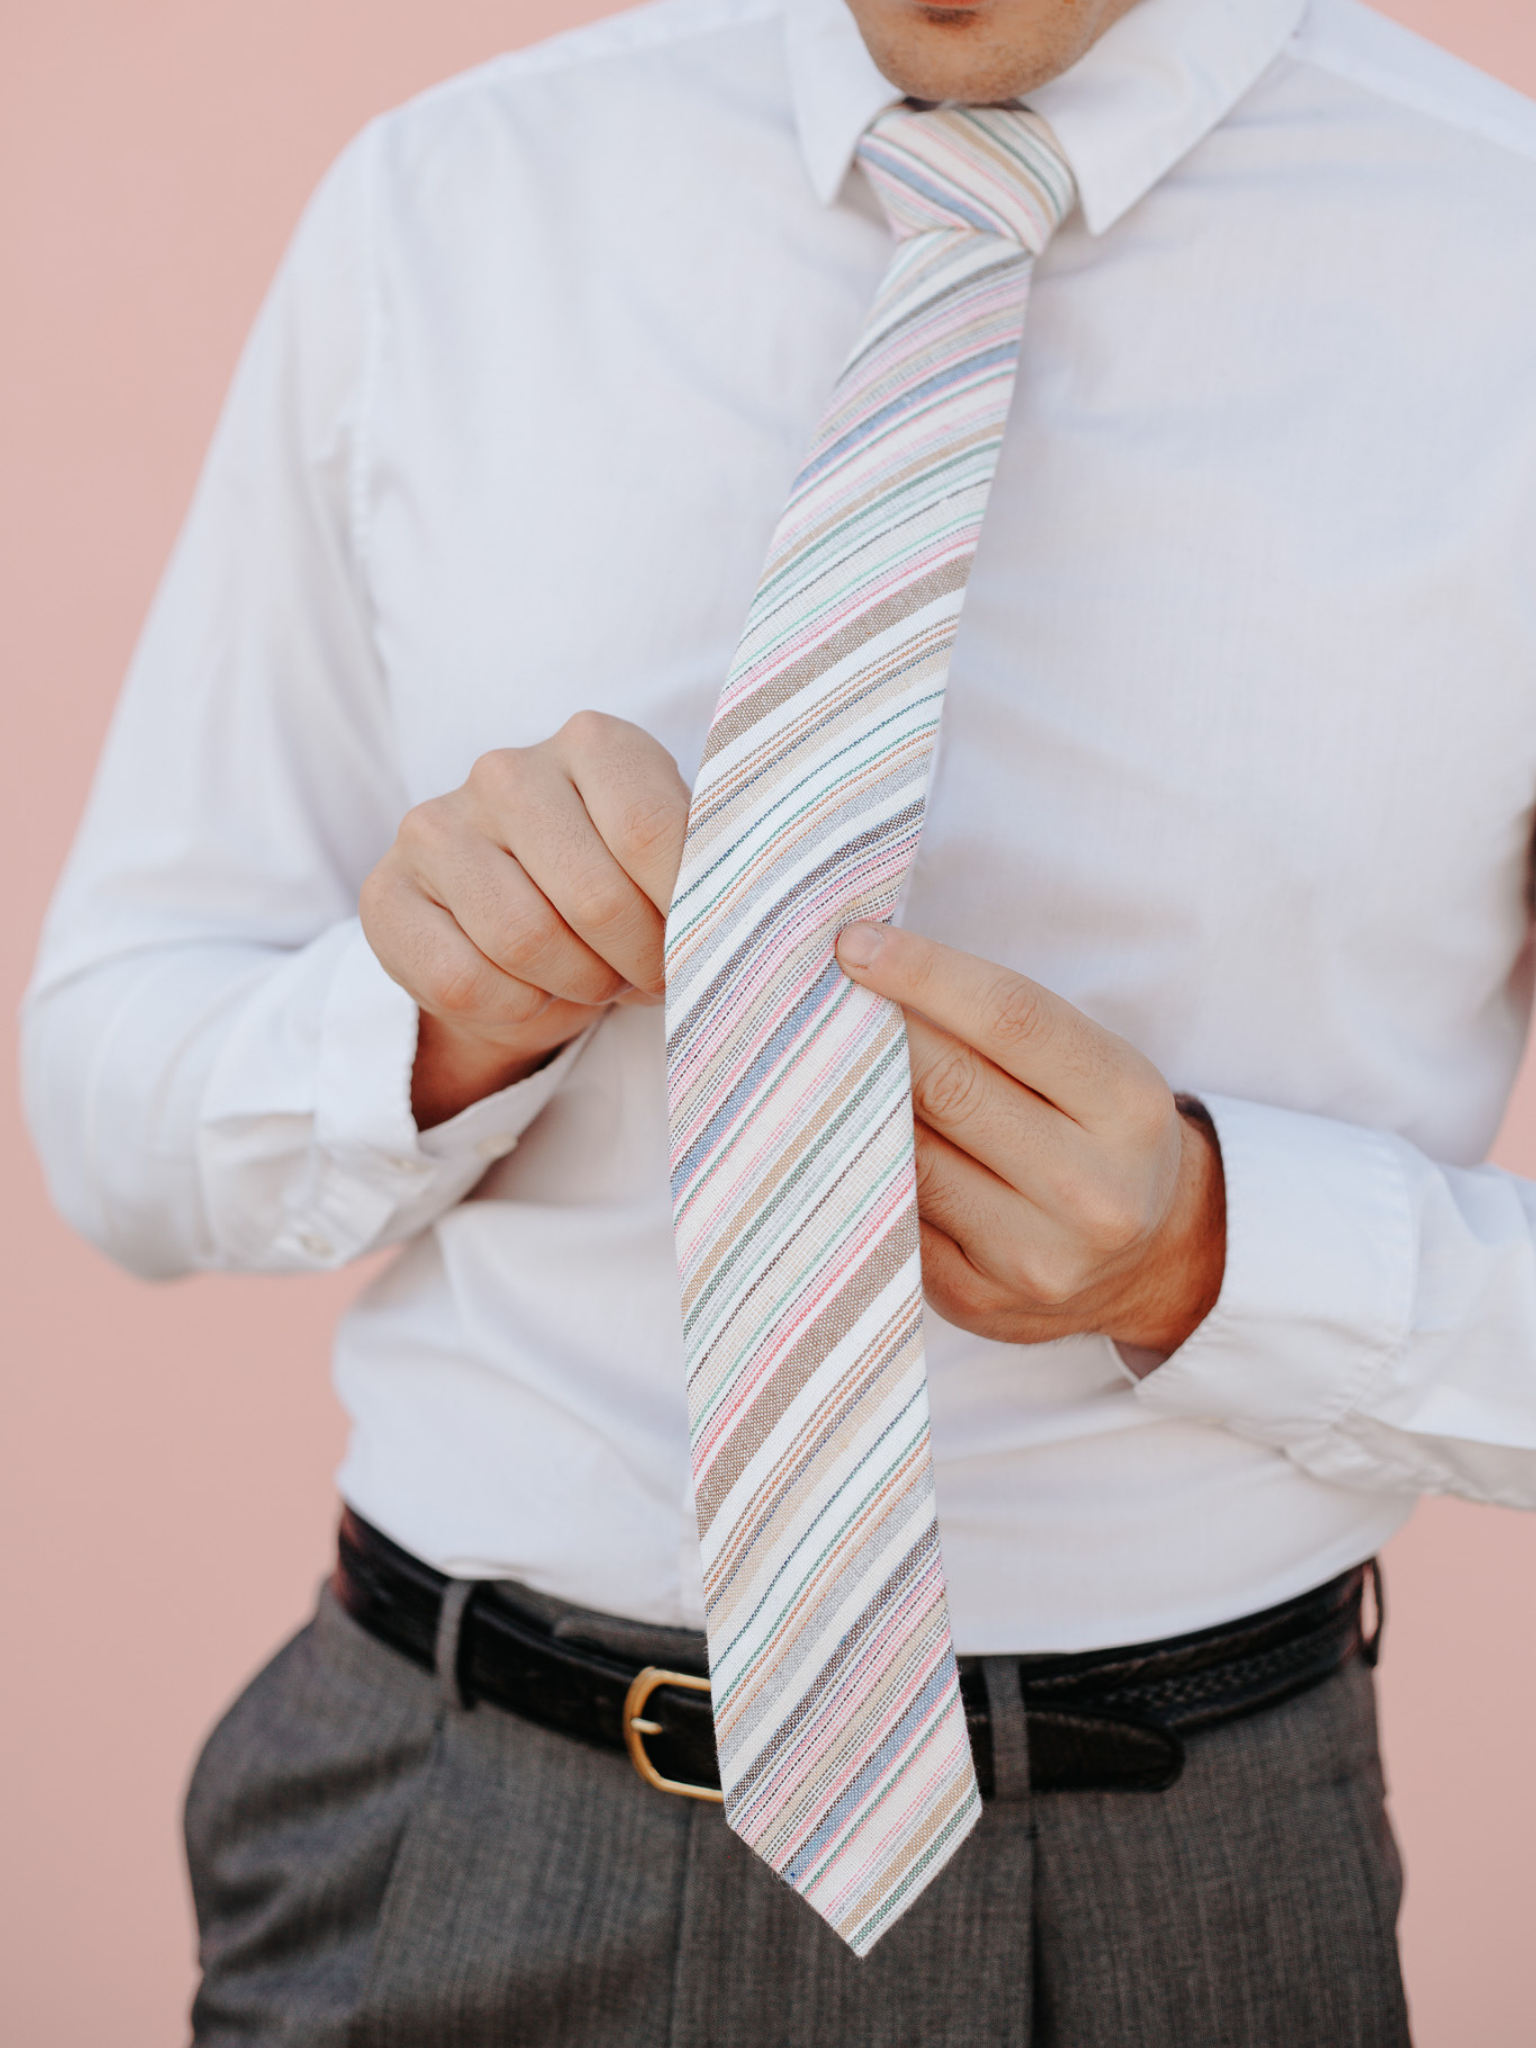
994,170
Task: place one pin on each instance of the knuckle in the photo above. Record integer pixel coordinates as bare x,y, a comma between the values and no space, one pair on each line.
1016,1012
925,1168
525,936
650,825
519,1003
950,1300
1112,1220
590,732
1052,1283
1101,1209
390,909
1147,1107
373,898
452,988
598,901
589,981
424,828
957,1291
498,774
970,1292
949,1088
1051,1275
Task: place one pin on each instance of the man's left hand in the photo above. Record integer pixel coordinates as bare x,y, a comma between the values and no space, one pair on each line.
1060,1188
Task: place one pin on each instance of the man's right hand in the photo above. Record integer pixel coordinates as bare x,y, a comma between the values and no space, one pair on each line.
519,907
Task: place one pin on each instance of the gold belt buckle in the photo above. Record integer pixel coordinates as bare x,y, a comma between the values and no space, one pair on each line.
636,1729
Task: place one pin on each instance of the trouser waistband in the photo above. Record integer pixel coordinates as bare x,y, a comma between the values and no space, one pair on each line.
1097,1720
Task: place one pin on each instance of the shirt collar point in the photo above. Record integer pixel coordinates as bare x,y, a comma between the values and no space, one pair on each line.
1147,92
836,88
827,175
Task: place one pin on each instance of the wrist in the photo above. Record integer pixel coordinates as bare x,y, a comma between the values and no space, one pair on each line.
455,1068
1186,1262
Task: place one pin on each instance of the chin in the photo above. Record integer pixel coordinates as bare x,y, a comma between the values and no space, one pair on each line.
939,61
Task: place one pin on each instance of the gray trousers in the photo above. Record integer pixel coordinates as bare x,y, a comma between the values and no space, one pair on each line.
376,1867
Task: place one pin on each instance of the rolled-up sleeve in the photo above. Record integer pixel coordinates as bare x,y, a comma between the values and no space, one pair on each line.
1377,1320
216,1069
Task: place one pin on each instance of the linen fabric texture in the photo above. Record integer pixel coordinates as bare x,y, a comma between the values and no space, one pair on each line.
843,1752
374,1868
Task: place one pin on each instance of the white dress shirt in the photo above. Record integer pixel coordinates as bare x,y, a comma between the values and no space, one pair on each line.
1239,755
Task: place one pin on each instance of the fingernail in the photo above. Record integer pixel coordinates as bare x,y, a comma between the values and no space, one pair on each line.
857,944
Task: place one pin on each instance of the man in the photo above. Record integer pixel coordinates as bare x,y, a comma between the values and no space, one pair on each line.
1233,797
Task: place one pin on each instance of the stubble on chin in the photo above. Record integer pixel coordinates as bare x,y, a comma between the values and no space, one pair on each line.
967,76
976,56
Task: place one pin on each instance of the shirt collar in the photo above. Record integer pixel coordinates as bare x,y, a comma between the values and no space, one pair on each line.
1152,87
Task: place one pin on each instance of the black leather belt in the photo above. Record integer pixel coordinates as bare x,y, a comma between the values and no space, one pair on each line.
1098,1720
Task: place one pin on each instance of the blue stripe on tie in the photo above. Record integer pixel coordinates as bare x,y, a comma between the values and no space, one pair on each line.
820,992
949,200
898,1739
1002,357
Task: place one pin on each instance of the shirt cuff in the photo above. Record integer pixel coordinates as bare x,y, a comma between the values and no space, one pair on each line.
367,1053
1318,1289
378,1180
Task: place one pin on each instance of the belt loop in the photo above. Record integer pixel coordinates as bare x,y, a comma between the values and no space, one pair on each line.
448,1650
1010,1733
1370,1645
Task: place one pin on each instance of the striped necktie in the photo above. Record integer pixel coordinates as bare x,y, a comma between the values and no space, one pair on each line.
844,1758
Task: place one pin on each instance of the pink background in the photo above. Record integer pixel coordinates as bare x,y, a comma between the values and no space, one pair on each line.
167,1499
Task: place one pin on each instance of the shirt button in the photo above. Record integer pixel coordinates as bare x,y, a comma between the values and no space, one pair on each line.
496,1147
317,1246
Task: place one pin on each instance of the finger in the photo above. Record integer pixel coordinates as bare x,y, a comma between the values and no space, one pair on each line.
950,1280
955,1290
499,907
569,861
1018,1247
968,1202
526,803
1087,1072
1069,1176
427,952
525,933
634,796
998,1121
609,914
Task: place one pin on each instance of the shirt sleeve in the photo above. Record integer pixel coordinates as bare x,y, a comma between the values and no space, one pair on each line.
216,1069
1377,1320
